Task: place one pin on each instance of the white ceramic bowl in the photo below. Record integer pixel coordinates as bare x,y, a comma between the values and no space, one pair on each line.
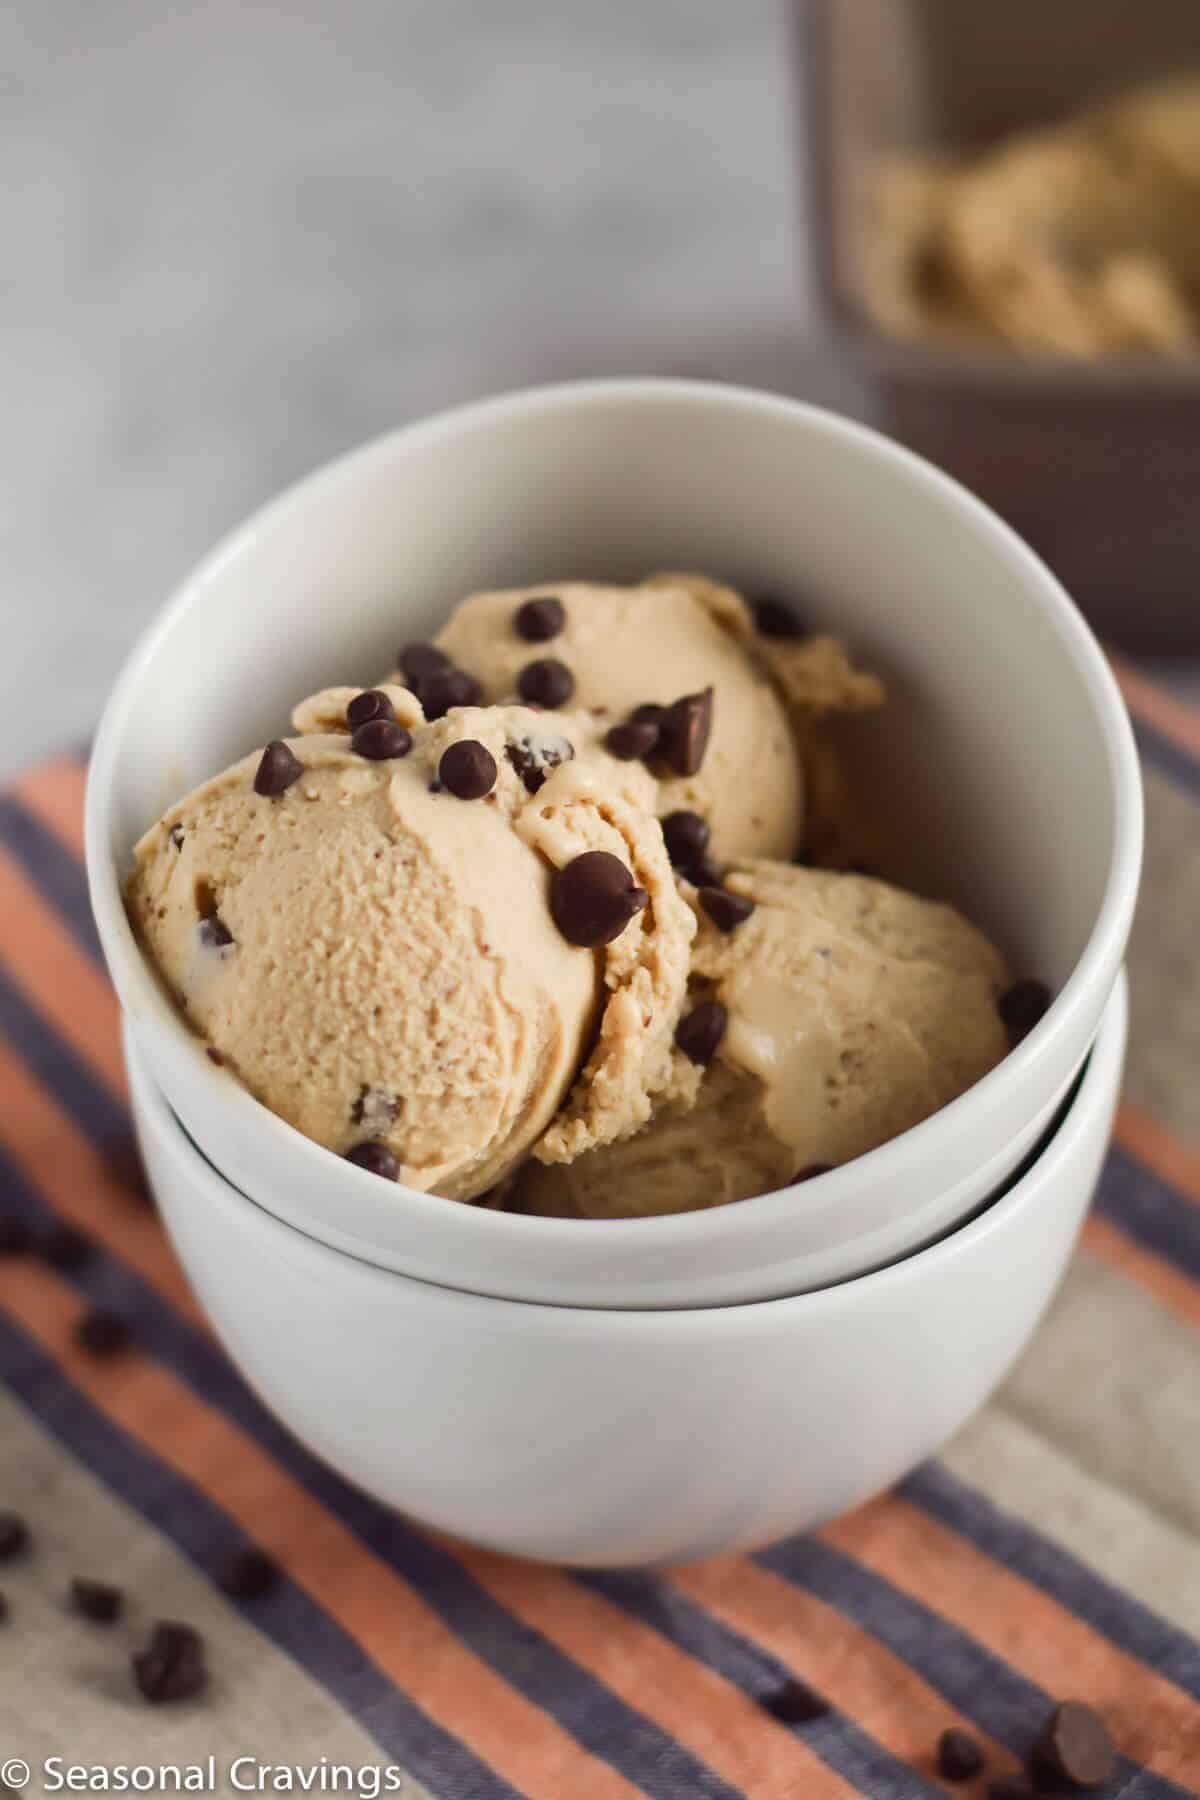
616,1438
1004,764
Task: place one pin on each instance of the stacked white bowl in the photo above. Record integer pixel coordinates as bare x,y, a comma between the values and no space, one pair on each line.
592,1390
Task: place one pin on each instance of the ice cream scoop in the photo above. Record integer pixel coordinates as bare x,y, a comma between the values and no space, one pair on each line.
827,1014
359,921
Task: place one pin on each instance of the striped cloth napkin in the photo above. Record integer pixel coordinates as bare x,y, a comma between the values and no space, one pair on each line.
1054,1549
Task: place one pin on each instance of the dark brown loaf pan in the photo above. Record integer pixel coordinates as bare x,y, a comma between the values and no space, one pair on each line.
1097,465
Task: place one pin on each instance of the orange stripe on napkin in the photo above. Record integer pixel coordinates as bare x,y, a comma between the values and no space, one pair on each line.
1155,1722
55,793
1148,701
862,1677
1159,1150
1169,1285
700,1709
393,1625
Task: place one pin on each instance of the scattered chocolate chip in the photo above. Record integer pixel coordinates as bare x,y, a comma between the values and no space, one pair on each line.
14,1536
631,741
684,732
102,1333
215,1057
537,621
810,1171
213,933
15,1235
381,740
775,620
63,1247
1010,1787
96,1600
1021,1006
699,1032
795,1704
804,859
172,1665
449,688
249,1574
727,911
649,713
594,897
176,836
467,770
686,836
533,759
420,661
1075,1745
703,873
377,1159
545,682
959,1757
368,705
122,1162
277,769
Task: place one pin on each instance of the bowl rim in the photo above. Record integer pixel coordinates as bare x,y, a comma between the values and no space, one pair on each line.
1097,1089
896,1160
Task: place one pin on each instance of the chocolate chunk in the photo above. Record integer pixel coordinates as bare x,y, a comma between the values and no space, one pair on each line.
449,688
213,933
14,1536
381,740
795,1704
172,1666
15,1235
467,770
594,897
368,705
1010,1787
249,1574
686,836
419,661
775,620
699,1032
96,1600
631,741
727,911
537,621
175,835
377,1159
546,682
277,769
1021,1006
533,759
102,1333
122,1162
1075,1745
650,713
684,733
959,1757
810,1171
65,1248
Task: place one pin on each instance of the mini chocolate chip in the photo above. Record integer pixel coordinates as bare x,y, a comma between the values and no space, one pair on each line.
249,1574
594,897
1075,1745
699,1032
649,713
377,1159
122,1162
795,1704
1010,1787
684,733
727,911
176,836
368,705
810,1171
1021,1006
448,688
537,621
381,740
215,1057
420,661
65,1248
959,1757
277,769
703,873
98,1601
686,836
213,933
775,620
14,1536
467,770
102,1333
172,1665
545,682
15,1235
631,741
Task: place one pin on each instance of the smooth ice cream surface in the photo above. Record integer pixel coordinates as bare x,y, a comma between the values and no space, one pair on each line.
376,960
854,1011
